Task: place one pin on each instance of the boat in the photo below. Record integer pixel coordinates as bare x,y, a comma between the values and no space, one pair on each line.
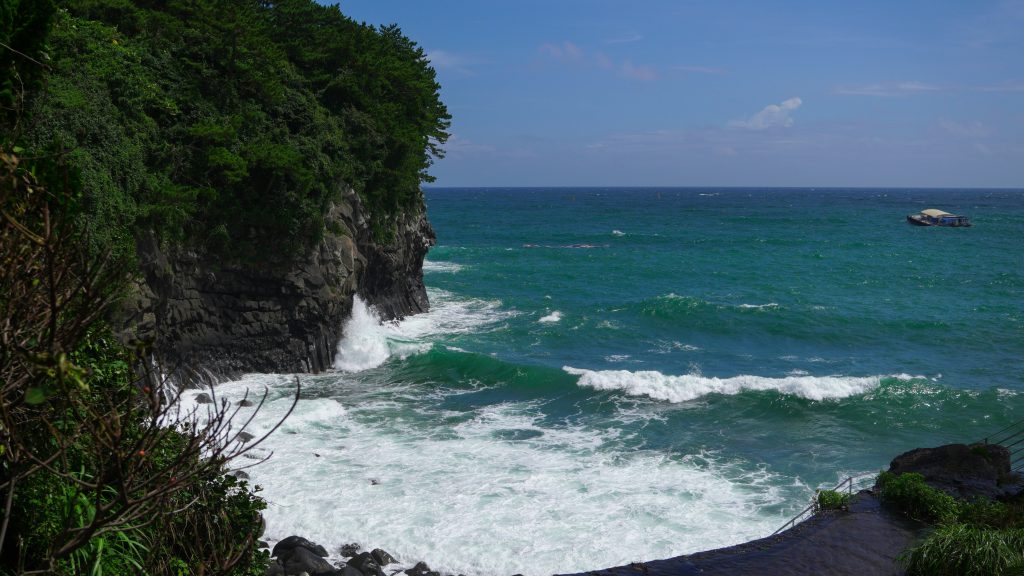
933,217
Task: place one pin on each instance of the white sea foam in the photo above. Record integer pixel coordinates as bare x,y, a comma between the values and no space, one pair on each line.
365,344
759,306
364,472
368,342
692,386
552,317
665,347
618,233
449,267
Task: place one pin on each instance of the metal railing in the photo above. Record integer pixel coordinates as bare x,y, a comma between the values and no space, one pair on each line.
1011,438
847,485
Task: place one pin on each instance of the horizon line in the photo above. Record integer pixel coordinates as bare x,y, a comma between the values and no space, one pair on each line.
727,187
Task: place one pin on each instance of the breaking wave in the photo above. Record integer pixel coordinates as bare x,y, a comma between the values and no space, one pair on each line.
692,386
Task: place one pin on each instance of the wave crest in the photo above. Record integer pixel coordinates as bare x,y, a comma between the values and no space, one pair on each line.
692,386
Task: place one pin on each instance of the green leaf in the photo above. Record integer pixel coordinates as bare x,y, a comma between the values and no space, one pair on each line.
35,396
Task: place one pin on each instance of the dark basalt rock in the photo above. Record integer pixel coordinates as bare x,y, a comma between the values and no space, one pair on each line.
300,559
204,398
961,470
420,569
382,558
292,542
349,550
244,437
365,563
212,319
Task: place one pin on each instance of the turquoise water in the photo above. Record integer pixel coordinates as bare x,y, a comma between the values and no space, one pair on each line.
611,375
769,283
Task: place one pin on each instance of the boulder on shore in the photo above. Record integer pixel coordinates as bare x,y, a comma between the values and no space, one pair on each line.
961,470
292,542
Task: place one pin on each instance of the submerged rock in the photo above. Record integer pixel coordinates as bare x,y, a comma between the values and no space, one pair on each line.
204,398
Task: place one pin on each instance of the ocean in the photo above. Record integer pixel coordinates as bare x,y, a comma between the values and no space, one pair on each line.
611,375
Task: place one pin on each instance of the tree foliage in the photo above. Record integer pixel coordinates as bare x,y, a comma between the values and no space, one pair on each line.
235,124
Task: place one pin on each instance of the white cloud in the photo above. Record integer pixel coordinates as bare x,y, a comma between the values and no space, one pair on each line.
773,115
967,130
569,53
444,60
700,69
566,51
887,89
644,72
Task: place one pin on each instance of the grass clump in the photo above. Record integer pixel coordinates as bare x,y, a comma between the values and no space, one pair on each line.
831,500
909,493
982,537
966,550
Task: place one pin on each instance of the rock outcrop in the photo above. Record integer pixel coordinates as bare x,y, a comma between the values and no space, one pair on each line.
962,471
211,320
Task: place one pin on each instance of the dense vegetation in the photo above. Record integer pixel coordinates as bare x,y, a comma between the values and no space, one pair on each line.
224,126
979,538
235,123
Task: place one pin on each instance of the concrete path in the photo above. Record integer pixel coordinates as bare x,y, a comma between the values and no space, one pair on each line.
862,542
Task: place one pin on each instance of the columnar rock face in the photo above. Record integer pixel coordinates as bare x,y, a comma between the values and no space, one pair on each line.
211,320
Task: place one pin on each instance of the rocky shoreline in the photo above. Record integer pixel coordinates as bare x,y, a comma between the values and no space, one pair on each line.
298,556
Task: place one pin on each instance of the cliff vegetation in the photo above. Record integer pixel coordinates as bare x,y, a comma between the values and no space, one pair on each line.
228,129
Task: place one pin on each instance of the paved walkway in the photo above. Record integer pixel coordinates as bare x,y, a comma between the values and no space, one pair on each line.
862,542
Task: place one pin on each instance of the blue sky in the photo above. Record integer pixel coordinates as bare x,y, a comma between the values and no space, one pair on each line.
724,93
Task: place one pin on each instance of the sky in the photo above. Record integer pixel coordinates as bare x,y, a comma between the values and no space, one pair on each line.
723,93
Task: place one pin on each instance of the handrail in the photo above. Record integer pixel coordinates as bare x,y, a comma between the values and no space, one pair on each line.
1010,437
847,483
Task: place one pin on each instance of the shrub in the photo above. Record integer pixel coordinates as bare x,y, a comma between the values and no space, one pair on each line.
909,493
831,500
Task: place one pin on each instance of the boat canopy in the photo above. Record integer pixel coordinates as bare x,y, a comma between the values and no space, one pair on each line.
935,213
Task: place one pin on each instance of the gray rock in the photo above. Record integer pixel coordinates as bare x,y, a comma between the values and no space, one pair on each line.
244,437
245,403
350,550
204,398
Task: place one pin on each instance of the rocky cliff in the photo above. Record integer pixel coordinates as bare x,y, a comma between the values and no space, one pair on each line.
210,320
